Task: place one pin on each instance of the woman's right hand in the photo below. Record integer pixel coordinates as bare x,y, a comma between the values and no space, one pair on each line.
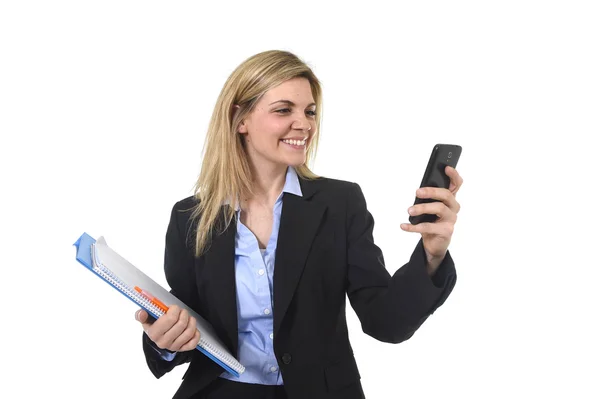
175,330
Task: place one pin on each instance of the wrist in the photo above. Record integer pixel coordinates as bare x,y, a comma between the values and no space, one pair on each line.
433,263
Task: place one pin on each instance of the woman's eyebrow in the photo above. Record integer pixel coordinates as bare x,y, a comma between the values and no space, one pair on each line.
290,103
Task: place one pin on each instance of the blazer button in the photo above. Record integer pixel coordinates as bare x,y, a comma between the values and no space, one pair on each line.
287,358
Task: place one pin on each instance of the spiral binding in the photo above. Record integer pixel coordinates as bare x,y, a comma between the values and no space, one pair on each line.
157,312
121,286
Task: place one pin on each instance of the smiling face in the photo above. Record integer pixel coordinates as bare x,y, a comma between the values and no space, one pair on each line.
279,129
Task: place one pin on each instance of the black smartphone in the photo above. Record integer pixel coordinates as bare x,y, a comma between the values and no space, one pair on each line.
435,175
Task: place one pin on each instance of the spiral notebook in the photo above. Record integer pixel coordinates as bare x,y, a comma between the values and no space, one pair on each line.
98,257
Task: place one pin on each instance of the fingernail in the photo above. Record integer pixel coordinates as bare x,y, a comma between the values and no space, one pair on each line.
137,314
411,210
421,191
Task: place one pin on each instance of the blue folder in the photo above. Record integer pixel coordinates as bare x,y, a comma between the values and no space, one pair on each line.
97,257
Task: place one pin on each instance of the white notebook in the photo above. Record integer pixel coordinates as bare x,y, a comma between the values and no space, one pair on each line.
98,257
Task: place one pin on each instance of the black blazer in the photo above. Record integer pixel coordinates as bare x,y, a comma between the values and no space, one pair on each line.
325,251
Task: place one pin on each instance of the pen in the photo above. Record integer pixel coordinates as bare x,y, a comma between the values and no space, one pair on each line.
152,299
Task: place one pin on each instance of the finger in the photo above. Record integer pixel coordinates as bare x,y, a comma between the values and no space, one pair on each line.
144,318
440,194
186,336
433,208
456,180
141,315
164,323
441,229
192,343
176,329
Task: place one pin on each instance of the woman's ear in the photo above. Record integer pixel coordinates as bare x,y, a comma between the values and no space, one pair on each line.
242,126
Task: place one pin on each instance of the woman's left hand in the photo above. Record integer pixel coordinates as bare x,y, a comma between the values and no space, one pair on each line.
437,235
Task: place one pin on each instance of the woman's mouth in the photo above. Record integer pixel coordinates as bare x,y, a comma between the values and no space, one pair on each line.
297,144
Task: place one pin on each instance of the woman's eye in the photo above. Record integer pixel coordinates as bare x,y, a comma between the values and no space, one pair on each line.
287,110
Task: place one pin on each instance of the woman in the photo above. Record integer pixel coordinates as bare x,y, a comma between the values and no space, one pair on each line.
266,251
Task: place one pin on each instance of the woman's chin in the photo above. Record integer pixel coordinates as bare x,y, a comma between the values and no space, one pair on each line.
296,162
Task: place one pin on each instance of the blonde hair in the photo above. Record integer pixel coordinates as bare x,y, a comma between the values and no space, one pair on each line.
225,173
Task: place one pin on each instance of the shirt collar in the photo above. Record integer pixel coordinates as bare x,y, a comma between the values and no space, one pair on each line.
291,186
292,183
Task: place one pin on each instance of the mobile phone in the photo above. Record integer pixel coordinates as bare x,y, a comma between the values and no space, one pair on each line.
435,175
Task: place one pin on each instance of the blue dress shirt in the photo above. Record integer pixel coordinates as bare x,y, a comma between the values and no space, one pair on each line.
254,270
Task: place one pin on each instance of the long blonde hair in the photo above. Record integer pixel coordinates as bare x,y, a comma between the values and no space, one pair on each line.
225,174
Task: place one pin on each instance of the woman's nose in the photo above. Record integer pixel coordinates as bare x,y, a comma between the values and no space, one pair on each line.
302,124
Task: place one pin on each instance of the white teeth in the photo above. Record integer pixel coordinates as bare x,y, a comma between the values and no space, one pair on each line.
295,142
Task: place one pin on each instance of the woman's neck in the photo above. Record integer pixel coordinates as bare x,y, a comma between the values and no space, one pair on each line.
267,184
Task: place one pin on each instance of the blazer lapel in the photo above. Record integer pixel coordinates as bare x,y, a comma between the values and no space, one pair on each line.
299,224
220,263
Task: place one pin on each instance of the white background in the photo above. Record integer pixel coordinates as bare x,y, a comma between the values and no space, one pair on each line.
103,110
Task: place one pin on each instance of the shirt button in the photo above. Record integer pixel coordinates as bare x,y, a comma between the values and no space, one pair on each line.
261,272
271,335
273,369
287,358
267,311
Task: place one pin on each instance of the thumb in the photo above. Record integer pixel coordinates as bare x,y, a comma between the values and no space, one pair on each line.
141,315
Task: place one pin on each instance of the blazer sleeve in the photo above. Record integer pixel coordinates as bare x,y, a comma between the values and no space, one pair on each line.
390,308
179,272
